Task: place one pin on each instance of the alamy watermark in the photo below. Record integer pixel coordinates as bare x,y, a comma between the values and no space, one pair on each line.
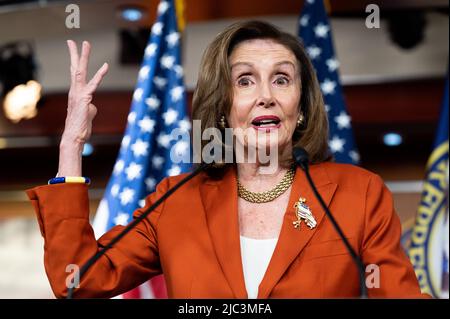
73,279
373,19
73,17
230,145
373,276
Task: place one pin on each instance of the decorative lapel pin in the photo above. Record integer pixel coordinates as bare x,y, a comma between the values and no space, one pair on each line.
302,211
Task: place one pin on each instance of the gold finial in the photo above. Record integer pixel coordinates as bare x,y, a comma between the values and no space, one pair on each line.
179,9
327,6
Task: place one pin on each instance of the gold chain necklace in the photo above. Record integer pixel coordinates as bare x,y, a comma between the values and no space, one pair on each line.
270,195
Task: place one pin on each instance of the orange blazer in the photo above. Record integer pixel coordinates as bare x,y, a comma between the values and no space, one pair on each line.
193,238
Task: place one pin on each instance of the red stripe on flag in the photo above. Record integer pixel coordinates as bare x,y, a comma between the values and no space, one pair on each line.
157,285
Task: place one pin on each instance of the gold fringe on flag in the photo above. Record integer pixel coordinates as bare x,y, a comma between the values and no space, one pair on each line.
179,9
327,6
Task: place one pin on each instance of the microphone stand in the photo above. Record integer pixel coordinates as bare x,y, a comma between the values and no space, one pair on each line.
301,158
133,224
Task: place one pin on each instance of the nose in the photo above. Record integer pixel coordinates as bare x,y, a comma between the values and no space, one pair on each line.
265,98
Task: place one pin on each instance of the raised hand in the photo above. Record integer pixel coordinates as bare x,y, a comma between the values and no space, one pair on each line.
80,110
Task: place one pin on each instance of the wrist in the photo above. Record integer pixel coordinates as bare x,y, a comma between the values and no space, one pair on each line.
70,158
71,145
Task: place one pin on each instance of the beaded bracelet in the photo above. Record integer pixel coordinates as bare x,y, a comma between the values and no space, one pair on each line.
70,179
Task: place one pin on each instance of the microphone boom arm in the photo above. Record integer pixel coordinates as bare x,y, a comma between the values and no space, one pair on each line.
355,257
131,225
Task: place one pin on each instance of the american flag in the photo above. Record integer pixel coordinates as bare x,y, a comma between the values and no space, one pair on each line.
315,33
158,107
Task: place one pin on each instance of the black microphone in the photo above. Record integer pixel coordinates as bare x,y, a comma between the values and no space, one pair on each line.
133,224
301,159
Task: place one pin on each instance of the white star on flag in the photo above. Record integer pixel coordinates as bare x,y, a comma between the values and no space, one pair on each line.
137,95
121,219
321,30
150,50
139,148
143,72
181,147
170,116
125,141
164,140
184,125
167,61
354,156
131,117
157,28
118,167
133,171
174,170
150,182
314,51
159,82
115,190
317,38
332,64
342,120
153,102
328,87
141,203
304,21
147,125
162,7
178,70
126,196
337,144
157,161
176,93
172,39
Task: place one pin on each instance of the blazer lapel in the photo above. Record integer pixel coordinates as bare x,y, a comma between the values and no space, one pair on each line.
220,203
292,240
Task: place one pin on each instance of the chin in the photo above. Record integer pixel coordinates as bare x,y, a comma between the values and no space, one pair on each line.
267,144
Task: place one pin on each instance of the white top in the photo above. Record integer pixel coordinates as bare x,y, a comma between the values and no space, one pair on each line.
256,255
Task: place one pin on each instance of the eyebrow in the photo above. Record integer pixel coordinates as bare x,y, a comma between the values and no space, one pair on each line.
251,64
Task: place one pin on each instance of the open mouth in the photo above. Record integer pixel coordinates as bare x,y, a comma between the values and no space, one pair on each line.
266,122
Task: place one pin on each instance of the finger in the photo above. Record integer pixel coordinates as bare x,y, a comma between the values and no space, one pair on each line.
97,78
92,111
83,63
73,51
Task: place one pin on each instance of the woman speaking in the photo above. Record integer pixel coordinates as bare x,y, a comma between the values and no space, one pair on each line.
238,229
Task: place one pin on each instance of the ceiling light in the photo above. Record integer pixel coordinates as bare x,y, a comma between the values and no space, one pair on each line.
392,139
132,14
20,90
88,149
20,103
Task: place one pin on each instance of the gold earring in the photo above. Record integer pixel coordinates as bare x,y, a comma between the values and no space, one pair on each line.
222,122
301,120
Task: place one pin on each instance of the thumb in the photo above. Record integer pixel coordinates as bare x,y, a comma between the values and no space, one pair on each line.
92,111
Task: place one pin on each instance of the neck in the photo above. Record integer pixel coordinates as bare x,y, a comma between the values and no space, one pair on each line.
249,171
255,178
269,170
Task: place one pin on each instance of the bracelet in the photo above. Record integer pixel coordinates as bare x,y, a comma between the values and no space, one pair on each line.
70,179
